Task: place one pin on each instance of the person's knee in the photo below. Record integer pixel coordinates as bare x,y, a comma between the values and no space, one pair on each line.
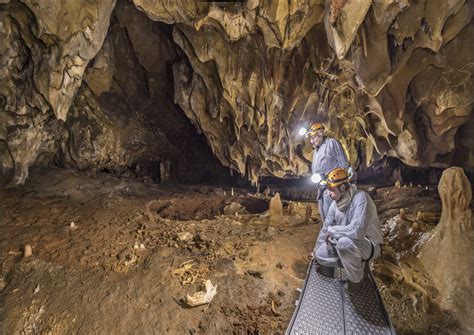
344,244
320,253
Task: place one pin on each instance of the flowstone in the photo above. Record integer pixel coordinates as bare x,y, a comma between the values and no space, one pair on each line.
448,255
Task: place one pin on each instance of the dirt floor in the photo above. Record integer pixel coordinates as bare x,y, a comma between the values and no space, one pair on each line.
114,255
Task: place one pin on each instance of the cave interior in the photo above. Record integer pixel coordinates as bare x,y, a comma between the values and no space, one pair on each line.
147,147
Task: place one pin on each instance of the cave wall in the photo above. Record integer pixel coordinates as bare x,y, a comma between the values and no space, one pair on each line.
124,119
45,48
390,78
121,118
106,87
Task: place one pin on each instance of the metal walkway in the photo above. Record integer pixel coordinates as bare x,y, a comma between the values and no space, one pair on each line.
325,308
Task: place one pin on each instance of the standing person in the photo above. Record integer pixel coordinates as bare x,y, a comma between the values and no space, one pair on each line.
328,154
351,234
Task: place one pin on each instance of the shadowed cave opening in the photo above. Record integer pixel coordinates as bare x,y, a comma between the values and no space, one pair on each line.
137,112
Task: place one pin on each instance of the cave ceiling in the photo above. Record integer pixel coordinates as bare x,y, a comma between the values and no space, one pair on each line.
114,85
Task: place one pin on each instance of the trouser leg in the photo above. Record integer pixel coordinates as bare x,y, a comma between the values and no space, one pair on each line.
327,202
351,254
321,208
326,255
324,202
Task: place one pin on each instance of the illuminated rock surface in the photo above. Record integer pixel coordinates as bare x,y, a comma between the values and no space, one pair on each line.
448,256
389,78
184,92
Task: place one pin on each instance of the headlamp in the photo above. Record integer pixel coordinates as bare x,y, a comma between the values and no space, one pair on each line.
316,178
302,131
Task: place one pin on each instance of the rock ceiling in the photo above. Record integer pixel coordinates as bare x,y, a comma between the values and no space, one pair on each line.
103,85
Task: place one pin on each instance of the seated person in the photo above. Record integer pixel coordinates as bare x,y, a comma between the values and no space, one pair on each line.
351,233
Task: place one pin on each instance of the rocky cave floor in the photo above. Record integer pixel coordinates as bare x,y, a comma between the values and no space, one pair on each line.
115,255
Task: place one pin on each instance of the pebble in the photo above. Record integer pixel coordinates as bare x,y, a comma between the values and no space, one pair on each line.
27,252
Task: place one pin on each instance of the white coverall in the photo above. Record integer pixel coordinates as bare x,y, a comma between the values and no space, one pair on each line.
356,230
327,157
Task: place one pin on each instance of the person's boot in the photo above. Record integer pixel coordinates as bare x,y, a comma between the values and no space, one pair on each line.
325,271
351,287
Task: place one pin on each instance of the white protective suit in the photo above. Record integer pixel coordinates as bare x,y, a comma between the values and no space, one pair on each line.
356,230
327,157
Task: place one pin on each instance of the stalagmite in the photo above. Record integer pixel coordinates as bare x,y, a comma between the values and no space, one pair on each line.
275,209
448,255
27,252
403,215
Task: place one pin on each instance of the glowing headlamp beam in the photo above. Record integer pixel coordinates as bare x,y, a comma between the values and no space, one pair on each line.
316,178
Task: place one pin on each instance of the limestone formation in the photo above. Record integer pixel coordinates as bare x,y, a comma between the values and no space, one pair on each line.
250,85
45,48
95,85
27,251
275,208
447,255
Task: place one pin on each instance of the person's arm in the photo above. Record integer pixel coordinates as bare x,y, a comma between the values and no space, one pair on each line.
313,162
329,221
357,228
340,154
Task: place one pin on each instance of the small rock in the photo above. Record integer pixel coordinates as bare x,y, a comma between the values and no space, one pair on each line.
267,191
27,251
72,225
233,208
36,290
256,274
185,236
291,208
127,258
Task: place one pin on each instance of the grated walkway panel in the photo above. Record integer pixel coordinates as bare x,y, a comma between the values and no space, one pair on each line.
325,308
